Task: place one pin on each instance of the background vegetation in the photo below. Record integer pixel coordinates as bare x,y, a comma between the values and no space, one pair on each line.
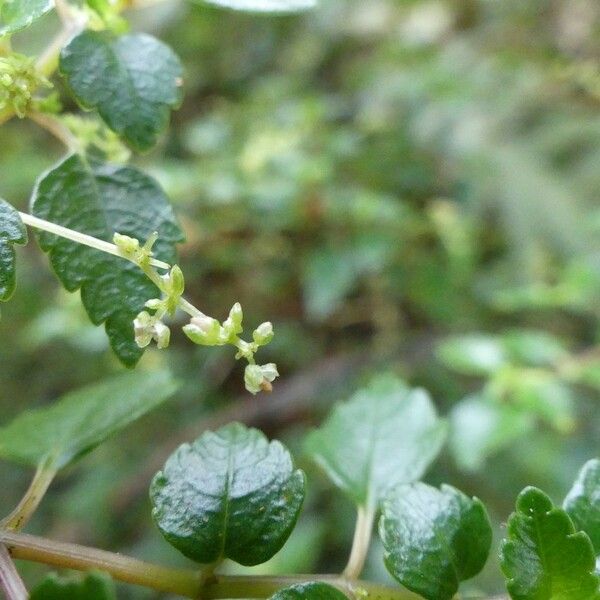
409,186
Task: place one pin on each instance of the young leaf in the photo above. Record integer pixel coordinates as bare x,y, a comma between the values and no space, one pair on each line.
83,419
383,436
434,539
272,6
314,590
133,81
19,14
230,494
583,502
12,231
543,557
92,586
99,200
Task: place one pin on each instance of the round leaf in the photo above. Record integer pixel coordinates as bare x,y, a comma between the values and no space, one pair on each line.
133,81
434,539
309,591
231,494
383,436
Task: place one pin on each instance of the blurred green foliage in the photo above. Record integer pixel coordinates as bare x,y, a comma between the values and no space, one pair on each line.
409,186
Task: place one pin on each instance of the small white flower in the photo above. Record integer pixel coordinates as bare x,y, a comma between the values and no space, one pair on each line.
204,330
259,378
147,328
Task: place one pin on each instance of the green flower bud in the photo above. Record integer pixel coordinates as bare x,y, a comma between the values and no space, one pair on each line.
128,246
263,334
204,331
233,325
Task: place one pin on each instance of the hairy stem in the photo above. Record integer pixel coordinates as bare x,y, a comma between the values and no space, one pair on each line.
360,543
42,479
10,581
184,582
80,238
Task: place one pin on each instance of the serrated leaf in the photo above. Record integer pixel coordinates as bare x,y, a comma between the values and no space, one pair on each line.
12,231
383,436
92,586
434,539
314,590
20,14
273,6
230,494
543,557
133,81
99,200
583,502
83,419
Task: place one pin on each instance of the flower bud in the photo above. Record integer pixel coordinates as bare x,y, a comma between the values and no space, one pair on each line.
233,325
162,335
263,334
148,328
128,246
204,330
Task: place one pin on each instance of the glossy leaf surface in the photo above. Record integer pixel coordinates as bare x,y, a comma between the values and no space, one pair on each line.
543,557
309,591
12,231
230,494
434,539
100,200
20,14
133,81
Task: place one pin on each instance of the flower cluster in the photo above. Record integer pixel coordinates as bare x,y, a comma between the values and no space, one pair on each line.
202,329
18,81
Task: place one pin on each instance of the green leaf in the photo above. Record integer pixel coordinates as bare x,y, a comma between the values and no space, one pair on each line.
272,6
133,81
583,502
230,494
385,435
434,539
99,200
543,557
480,427
92,586
19,14
12,231
309,591
474,354
83,419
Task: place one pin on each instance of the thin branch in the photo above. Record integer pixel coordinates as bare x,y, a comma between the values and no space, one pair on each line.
361,542
184,582
80,238
10,580
129,570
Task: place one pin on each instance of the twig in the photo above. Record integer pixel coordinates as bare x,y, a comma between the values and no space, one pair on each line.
10,580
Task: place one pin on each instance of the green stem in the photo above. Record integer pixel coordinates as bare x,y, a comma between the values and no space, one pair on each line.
361,542
56,128
42,479
80,238
183,582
